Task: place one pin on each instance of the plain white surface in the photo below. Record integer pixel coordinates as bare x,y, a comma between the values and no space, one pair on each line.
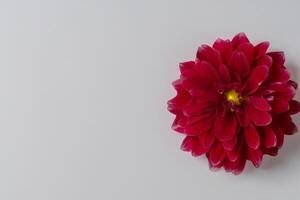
83,92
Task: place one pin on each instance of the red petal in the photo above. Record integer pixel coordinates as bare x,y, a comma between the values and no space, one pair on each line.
229,145
261,49
217,155
252,137
260,118
294,107
286,123
189,77
199,150
196,75
189,143
279,105
236,167
279,75
291,129
239,39
207,139
197,107
283,91
293,83
243,118
224,73
248,50
198,128
204,95
207,73
229,128
177,84
260,103
239,63
199,124
225,49
176,104
278,58
201,117
235,77
220,44
279,134
258,75
185,66
206,53
233,155
255,156
273,151
265,60
179,123
269,137
218,124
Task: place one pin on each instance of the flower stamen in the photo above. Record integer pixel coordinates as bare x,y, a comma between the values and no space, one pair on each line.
233,97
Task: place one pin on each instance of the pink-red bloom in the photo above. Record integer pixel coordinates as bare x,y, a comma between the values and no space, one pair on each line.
234,103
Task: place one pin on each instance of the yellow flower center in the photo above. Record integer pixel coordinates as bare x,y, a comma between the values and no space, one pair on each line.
233,97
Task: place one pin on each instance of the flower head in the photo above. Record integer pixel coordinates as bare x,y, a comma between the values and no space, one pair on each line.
234,103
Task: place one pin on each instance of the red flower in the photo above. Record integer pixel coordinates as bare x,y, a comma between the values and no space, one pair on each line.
234,103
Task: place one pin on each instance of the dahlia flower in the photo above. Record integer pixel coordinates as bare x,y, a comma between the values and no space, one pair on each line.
234,103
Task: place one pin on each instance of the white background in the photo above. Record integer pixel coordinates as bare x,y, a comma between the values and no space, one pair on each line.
83,92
